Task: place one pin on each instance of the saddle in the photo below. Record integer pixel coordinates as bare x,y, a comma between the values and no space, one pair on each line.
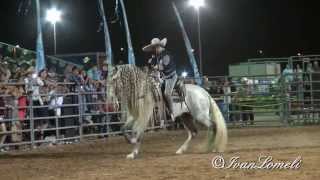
179,90
179,94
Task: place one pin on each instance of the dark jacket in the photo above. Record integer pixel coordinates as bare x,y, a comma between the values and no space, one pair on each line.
166,62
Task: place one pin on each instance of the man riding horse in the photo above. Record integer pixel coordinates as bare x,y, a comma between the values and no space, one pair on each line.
161,61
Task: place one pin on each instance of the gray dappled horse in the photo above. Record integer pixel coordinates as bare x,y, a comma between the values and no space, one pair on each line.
135,89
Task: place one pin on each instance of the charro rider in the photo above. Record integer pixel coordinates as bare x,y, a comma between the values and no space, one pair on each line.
163,62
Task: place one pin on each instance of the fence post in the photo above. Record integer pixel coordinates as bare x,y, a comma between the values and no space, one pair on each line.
80,104
57,117
283,107
31,120
311,95
227,97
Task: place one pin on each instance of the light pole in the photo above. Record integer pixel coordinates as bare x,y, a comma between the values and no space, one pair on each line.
197,4
54,16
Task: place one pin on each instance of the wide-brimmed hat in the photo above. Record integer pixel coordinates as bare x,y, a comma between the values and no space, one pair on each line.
155,42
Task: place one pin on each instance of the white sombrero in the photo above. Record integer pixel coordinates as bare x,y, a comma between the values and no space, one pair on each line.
155,42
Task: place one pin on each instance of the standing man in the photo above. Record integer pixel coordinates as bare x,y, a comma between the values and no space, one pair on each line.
288,74
162,61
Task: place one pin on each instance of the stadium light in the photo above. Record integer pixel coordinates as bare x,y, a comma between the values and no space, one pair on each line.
184,74
197,3
54,16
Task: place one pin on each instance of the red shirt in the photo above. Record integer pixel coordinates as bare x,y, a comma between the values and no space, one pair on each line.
22,102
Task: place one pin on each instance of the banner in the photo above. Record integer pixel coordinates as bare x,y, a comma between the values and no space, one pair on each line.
189,48
131,57
109,55
40,61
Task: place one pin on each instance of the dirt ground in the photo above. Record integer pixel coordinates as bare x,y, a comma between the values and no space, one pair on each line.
105,159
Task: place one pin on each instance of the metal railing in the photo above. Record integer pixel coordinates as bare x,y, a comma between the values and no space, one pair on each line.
271,100
256,101
62,118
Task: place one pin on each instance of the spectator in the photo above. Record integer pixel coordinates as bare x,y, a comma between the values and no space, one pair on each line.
316,67
75,79
307,79
288,74
299,73
17,111
90,97
227,97
316,85
33,83
207,85
3,127
299,84
5,73
309,67
94,73
104,72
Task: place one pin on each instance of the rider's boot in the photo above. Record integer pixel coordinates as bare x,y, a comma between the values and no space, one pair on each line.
170,107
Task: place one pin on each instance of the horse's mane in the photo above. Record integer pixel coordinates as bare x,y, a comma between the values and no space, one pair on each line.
132,86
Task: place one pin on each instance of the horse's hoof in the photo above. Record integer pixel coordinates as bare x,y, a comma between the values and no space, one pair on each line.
133,140
131,156
179,152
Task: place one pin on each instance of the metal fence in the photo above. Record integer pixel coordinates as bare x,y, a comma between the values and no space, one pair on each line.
59,118
76,115
273,100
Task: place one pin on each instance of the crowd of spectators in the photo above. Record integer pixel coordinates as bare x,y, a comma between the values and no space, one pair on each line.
47,96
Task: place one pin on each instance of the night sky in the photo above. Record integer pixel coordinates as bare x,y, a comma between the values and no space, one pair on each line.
232,30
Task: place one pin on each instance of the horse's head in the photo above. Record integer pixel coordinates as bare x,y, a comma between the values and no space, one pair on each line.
115,73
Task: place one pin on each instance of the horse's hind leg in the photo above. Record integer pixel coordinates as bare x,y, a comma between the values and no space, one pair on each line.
188,123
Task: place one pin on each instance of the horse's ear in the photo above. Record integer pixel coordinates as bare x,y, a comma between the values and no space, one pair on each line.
114,72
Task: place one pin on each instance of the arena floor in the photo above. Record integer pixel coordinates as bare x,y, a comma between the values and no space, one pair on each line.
105,159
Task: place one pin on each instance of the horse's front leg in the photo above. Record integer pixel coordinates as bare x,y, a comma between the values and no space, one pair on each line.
137,143
128,125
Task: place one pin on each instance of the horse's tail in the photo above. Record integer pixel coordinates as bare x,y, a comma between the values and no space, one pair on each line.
221,136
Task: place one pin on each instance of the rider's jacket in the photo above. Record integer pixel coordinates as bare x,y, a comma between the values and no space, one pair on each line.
166,64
